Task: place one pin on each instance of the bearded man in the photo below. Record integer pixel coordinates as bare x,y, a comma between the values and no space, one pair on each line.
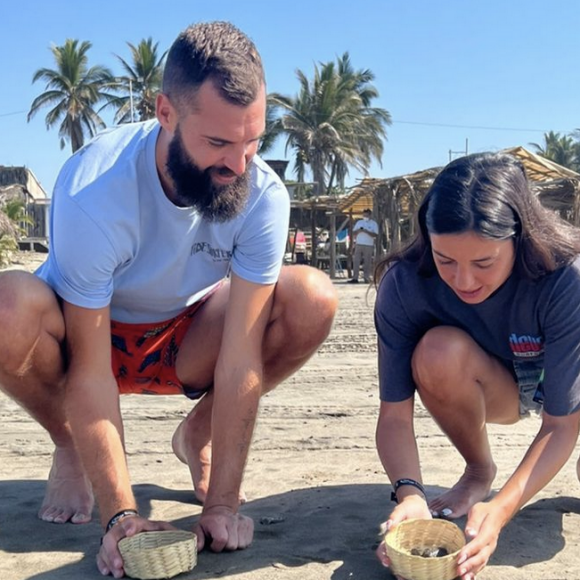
164,277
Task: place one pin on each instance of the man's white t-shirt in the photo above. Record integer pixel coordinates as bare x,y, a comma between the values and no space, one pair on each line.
115,238
362,238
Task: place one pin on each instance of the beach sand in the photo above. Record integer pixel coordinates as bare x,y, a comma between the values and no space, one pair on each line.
315,486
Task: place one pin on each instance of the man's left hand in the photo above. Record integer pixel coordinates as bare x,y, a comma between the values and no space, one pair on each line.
223,530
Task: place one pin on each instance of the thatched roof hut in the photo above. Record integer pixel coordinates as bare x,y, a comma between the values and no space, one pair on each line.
395,200
557,187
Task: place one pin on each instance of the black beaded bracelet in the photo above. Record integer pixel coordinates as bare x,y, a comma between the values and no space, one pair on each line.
400,482
119,516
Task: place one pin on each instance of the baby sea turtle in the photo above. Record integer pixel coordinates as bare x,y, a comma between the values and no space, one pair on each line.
429,552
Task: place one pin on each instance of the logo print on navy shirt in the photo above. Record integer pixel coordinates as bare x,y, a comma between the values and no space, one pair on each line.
526,346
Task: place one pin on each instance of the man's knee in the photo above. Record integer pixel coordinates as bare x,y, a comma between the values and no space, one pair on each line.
439,357
28,308
305,302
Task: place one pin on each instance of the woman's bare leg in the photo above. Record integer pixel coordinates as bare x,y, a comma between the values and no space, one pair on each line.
463,388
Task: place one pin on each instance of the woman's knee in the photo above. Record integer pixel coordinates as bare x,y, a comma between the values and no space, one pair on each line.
440,358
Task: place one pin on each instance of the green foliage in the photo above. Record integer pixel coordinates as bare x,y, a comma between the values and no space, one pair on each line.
331,124
8,246
141,82
15,210
303,191
73,89
561,149
12,217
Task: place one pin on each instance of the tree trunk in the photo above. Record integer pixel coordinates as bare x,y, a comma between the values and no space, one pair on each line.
76,137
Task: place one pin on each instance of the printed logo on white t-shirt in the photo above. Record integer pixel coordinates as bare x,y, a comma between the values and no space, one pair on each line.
217,254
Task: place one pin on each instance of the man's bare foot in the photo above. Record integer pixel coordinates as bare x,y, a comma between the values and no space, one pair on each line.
196,455
193,448
69,496
473,486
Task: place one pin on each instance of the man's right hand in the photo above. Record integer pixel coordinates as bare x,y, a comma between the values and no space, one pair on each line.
109,560
222,529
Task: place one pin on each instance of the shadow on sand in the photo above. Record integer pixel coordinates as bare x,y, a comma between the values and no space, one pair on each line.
320,524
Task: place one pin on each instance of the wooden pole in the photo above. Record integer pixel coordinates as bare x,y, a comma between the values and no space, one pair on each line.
350,244
332,265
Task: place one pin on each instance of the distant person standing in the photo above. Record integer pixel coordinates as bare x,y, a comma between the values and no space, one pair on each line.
365,231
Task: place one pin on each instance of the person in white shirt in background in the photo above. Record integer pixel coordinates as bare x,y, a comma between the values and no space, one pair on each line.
365,231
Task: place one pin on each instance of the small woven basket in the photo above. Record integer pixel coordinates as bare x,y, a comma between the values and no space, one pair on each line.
421,535
161,554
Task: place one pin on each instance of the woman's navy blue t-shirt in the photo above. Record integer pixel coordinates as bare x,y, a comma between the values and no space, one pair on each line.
523,323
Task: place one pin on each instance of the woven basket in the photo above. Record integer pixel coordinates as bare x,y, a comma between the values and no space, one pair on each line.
422,534
155,555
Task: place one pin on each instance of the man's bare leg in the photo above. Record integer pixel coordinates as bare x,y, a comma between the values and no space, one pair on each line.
32,373
304,306
192,445
464,388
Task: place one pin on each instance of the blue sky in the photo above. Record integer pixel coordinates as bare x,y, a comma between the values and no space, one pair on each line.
494,73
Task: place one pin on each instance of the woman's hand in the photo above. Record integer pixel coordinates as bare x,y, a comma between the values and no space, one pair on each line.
484,524
411,507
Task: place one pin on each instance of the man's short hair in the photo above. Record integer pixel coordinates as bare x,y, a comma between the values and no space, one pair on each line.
216,51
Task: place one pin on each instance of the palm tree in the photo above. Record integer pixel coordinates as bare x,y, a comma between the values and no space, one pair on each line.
15,210
330,124
273,128
576,136
141,83
72,90
370,130
562,149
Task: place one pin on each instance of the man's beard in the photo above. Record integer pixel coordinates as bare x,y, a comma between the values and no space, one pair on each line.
195,188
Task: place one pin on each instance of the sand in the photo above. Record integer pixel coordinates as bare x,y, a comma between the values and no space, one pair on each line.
315,486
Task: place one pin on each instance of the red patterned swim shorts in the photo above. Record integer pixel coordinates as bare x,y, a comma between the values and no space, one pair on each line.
144,355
